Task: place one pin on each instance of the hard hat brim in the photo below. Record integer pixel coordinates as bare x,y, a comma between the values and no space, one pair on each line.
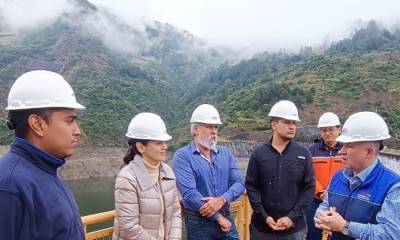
208,122
327,125
285,117
344,139
76,106
348,139
162,138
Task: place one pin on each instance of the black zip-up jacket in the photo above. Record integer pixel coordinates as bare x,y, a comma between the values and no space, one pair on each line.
280,185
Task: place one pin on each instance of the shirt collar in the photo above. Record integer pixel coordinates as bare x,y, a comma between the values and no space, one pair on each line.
36,156
363,174
269,143
194,149
143,177
323,146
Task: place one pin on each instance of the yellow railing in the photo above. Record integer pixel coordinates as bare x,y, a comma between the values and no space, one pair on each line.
241,209
98,218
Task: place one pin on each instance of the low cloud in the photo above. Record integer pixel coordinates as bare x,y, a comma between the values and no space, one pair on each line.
20,15
116,34
250,26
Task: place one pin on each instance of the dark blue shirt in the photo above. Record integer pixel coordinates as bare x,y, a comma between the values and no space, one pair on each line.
320,149
34,202
197,177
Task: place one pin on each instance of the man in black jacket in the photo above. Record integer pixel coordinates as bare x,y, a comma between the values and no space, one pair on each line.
280,180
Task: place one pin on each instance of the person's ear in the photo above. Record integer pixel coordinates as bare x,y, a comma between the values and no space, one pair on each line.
273,124
371,150
140,147
37,124
195,130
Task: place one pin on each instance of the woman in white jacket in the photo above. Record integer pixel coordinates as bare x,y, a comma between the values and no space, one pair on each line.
146,198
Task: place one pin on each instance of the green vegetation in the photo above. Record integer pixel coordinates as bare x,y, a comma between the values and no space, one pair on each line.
392,116
358,77
177,73
370,38
112,86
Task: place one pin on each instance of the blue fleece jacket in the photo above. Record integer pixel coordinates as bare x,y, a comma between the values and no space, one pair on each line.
34,202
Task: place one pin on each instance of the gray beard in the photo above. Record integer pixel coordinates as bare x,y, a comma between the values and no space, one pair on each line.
207,144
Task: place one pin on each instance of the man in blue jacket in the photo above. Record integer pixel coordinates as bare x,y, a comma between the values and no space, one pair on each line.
208,179
34,202
364,199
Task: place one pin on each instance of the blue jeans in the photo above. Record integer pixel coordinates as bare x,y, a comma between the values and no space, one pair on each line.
201,228
313,232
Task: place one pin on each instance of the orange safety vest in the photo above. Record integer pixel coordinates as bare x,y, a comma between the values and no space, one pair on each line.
325,168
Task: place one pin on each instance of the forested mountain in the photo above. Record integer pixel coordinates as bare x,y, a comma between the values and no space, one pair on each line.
354,74
118,70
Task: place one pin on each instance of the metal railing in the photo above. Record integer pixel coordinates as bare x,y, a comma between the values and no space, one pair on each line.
240,209
94,219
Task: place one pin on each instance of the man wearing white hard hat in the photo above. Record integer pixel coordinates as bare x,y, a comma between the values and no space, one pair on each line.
364,199
34,201
280,180
208,179
326,161
329,127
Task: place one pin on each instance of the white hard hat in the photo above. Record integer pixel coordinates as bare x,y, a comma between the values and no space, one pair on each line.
41,89
364,126
206,113
285,109
328,119
147,126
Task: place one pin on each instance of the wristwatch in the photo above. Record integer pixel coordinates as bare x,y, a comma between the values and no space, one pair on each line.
345,230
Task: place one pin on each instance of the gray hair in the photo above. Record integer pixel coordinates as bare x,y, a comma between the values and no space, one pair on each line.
192,126
376,145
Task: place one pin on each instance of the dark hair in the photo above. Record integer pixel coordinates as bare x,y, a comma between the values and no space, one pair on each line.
381,145
18,119
274,119
132,151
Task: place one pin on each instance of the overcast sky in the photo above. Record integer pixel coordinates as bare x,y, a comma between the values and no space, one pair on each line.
269,23
265,24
